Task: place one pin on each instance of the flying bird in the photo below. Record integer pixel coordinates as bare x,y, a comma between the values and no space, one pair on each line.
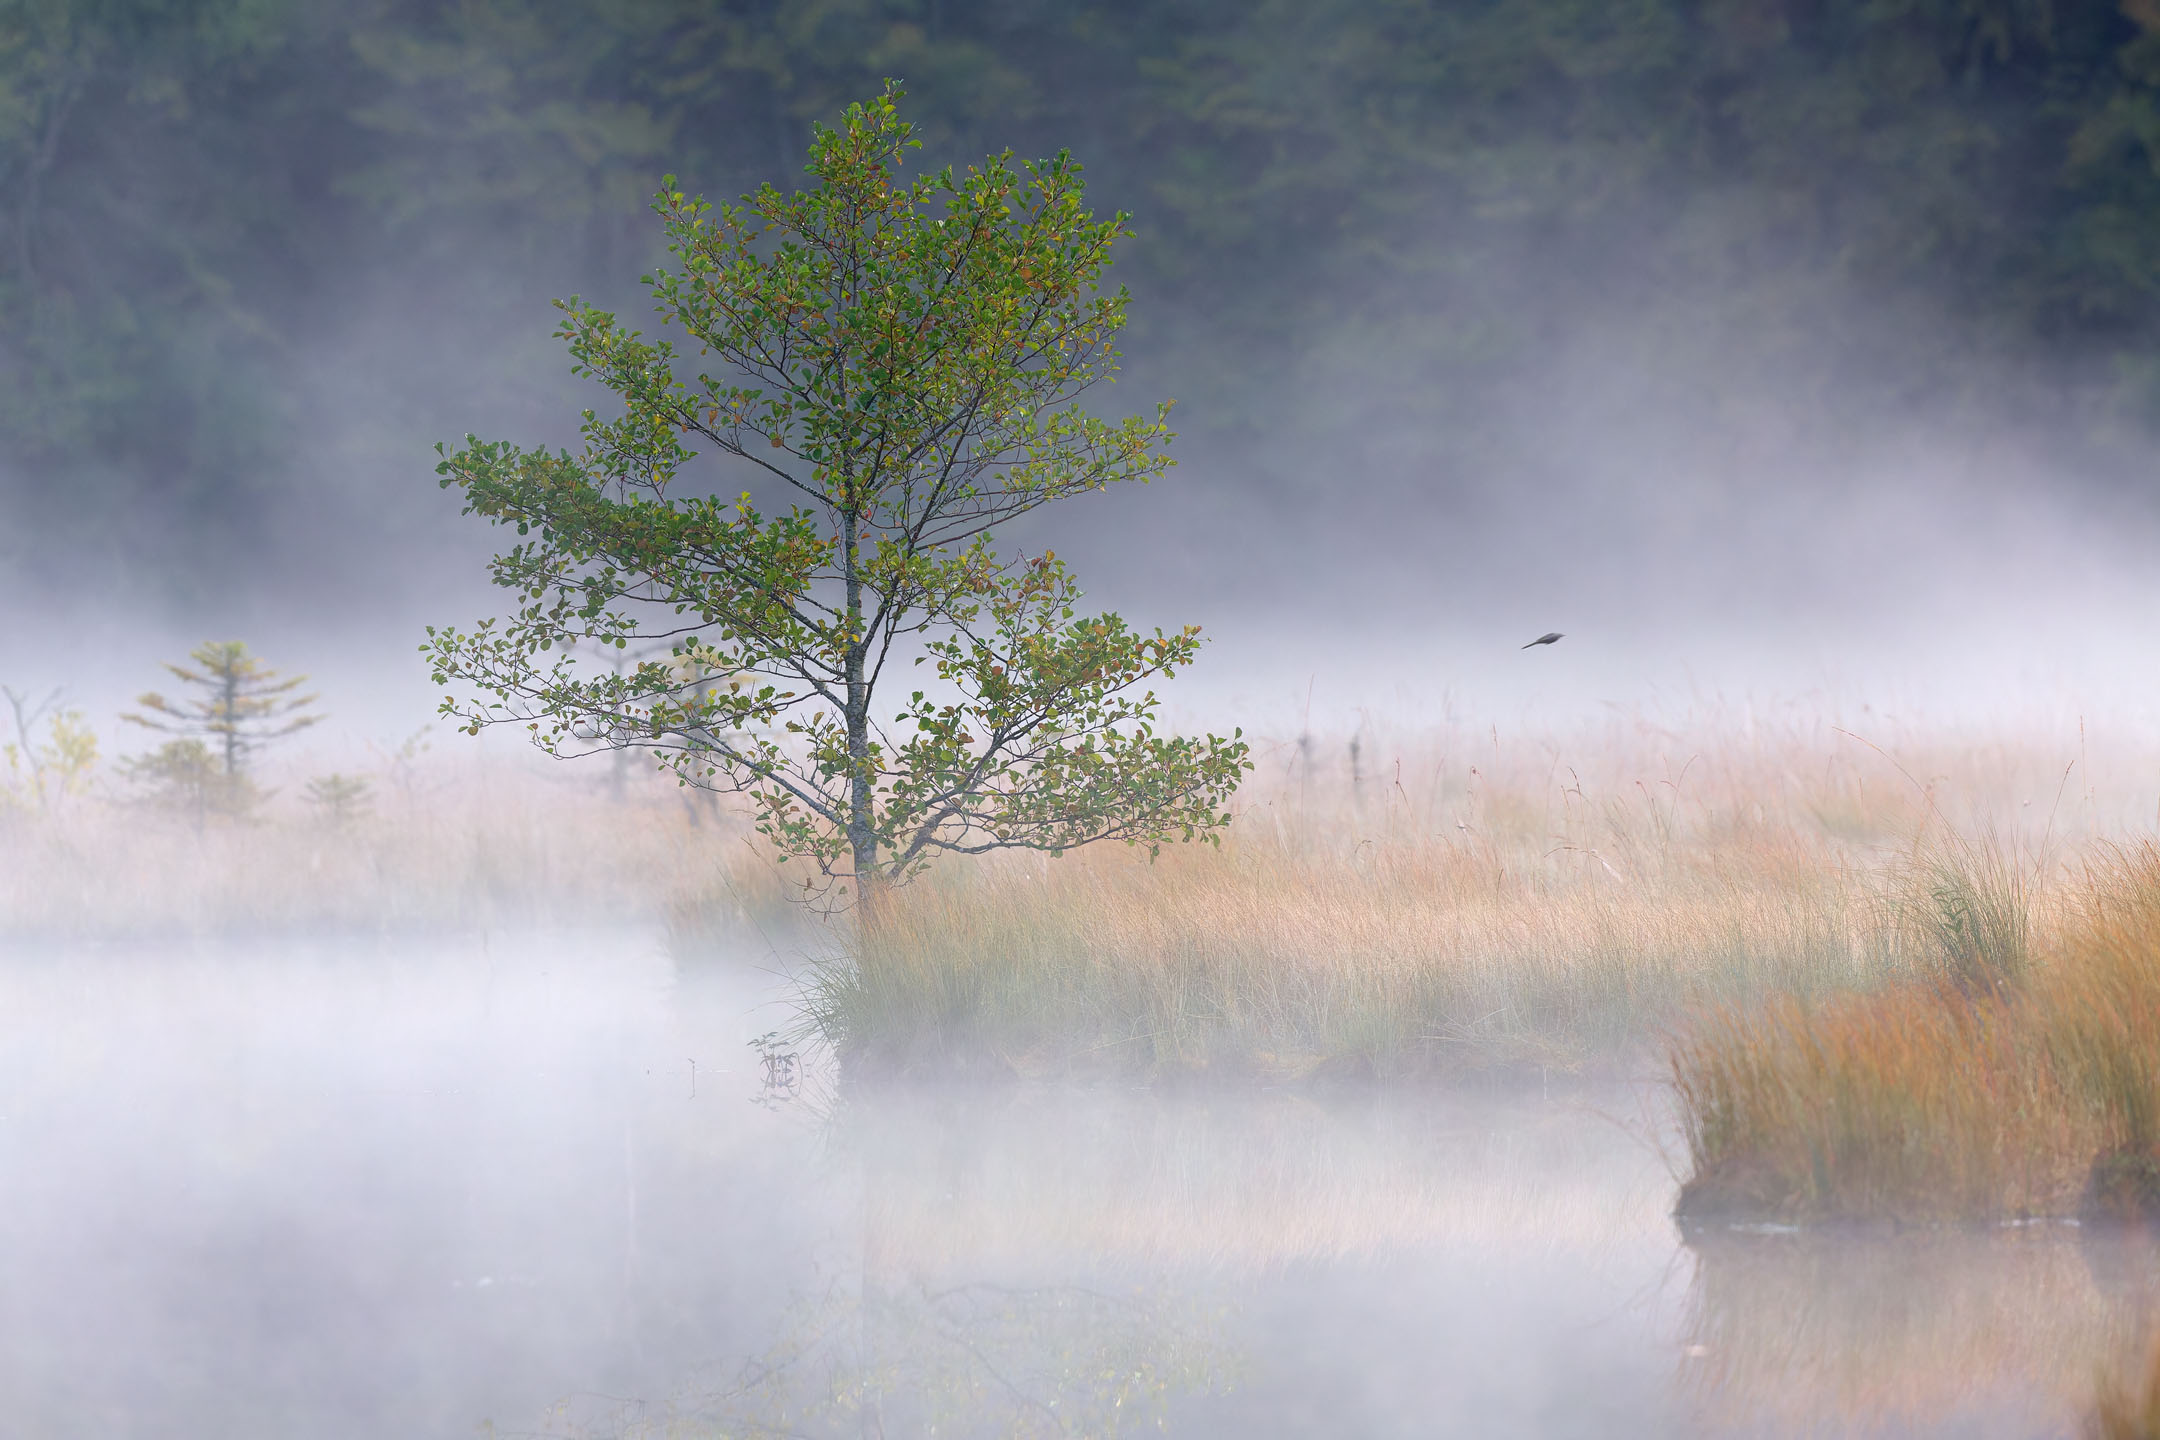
1546,639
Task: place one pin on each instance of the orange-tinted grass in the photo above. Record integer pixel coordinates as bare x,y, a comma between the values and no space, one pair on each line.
469,846
1931,1101
2127,1405
1542,902
1493,908
1385,956
1917,1102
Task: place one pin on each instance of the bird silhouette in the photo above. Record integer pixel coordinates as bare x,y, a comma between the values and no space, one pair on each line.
1546,639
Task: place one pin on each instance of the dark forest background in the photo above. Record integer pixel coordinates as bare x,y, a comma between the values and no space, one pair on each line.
256,255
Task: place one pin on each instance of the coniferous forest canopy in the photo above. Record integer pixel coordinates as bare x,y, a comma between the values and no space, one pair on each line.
253,249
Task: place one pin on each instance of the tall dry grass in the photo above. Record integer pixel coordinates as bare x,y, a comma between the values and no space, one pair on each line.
2127,1403
461,845
1534,905
2034,1091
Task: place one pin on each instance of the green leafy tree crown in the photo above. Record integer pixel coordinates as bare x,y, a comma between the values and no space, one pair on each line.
901,364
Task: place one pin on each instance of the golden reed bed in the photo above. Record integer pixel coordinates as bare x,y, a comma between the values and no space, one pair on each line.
1913,982
1893,976
1468,902
1958,1096
462,845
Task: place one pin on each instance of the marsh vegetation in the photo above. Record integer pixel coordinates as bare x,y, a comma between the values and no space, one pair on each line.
1911,984
900,1017
2027,1090
1534,903
1401,1039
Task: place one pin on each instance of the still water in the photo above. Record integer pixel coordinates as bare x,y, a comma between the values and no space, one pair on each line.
546,1186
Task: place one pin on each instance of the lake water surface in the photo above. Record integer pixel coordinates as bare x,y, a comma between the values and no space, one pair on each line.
544,1185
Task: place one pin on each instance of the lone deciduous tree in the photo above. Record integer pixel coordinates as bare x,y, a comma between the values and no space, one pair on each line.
902,363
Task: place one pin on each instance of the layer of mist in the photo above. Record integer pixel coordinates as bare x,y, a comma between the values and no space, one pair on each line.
1726,458
548,1186
1795,362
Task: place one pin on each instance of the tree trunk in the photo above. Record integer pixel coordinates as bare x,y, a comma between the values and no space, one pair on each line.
229,692
862,789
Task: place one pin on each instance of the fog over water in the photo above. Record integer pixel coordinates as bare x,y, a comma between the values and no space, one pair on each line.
369,1188
1817,413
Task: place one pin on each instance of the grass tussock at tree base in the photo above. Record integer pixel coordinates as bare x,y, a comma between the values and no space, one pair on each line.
1496,919
1264,962
1948,1099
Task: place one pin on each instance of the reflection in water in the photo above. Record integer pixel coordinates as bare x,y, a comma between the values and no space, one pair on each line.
392,1189
1094,1263
1981,1332
1241,1181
